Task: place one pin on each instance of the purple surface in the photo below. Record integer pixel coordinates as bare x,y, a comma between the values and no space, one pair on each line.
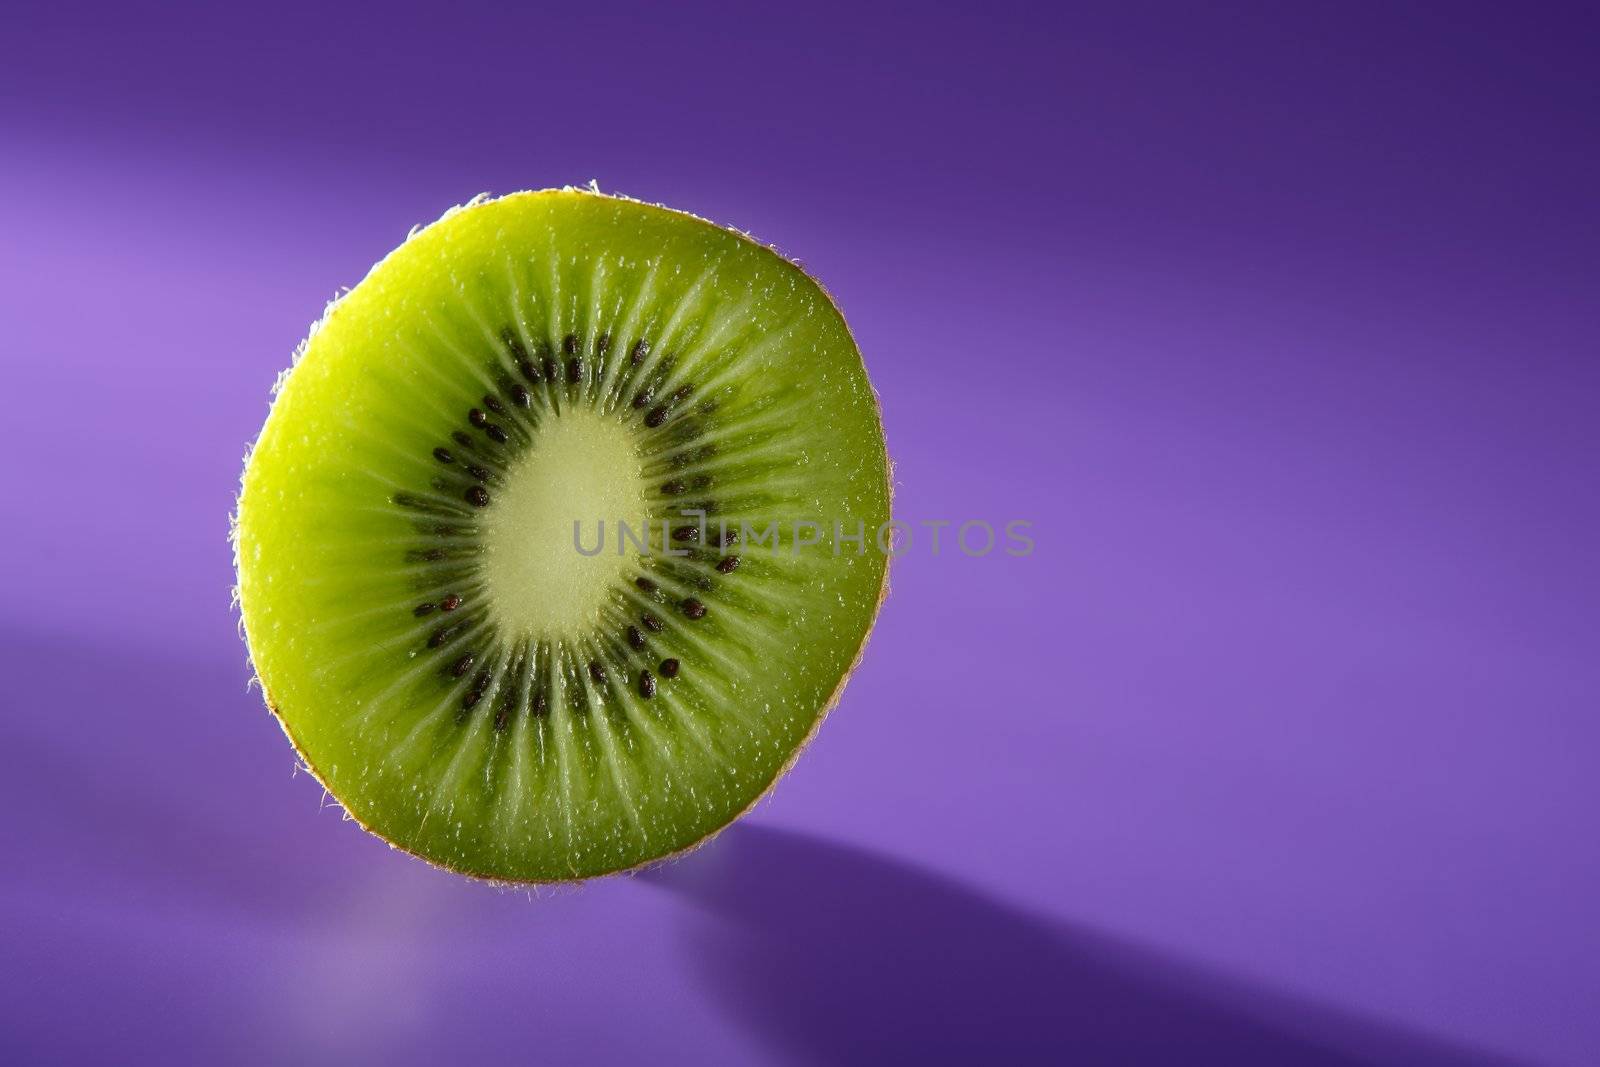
1281,329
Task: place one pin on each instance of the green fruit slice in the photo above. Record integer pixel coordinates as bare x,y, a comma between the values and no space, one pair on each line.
563,534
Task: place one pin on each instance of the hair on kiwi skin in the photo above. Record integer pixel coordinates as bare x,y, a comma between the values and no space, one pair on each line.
305,758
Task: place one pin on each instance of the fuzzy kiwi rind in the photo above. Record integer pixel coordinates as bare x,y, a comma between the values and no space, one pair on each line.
497,877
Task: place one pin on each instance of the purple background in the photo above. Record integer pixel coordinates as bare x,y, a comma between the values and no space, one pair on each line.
1279,326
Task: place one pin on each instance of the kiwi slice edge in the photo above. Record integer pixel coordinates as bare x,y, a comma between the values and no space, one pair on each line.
590,715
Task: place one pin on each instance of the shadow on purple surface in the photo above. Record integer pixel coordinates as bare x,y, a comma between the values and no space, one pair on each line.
833,954
150,869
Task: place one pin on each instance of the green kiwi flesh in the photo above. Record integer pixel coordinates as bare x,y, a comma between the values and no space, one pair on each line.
448,654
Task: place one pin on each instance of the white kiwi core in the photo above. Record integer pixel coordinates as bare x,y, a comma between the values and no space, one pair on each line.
543,573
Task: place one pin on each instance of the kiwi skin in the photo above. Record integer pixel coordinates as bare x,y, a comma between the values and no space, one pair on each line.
303,756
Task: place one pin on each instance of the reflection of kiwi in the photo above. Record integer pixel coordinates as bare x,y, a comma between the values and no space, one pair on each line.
455,663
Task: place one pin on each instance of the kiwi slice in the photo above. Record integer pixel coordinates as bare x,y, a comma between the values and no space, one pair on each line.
562,534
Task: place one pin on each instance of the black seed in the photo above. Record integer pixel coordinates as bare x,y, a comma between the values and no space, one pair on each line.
443,455
602,344
703,583
441,635
644,583
550,368
450,602
690,456
422,609
520,397
701,481
597,672
508,708
647,684
657,416
478,496
635,638
641,349
529,371
479,685
682,393
693,608
687,429
643,397
478,472
674,487
669,668
730,536
569,343
728,565
574,369
496,434
477,418
462,439
462,665
492,402
651,623
541,706
513,343
686,533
